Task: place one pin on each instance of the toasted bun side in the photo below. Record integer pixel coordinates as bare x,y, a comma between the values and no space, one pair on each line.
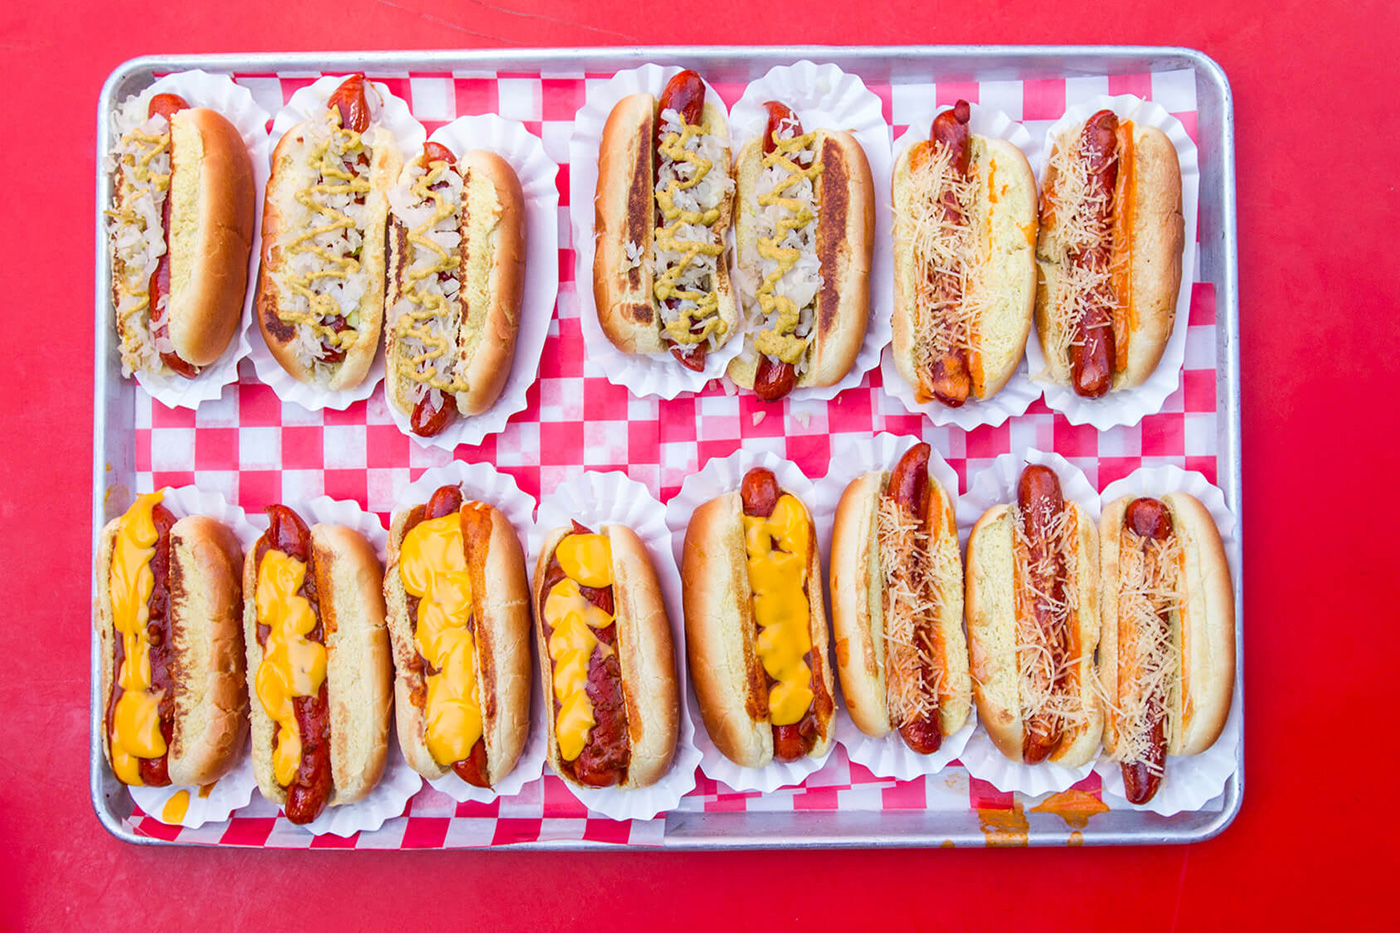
1158,238
856,605
262,727
845,241
211,688
104,625
211,233
1050,255
949,641
409,719
624,212
719,633
821,646
991,629
537,595
291,173
1208,631
1110,568
1007,201
495,277
647,659
904,322
1080,743
503,649
358,670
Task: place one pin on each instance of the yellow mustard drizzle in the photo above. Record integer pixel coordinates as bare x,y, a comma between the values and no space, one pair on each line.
154,144
331,170
706,311
430,305
779,340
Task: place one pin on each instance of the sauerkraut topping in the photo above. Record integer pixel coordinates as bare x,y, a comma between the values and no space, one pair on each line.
687,247
787,246
324,277
429,313
141,165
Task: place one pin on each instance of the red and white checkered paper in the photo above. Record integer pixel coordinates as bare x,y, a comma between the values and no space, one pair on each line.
255,450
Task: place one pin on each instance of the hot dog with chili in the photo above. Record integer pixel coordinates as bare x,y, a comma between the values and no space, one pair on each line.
964,238
174,699
1109,254
456,278
805,231
318,664
1167,656
897,605
180,230
664,202
320,301
607,661
459,618
755,622
1033,626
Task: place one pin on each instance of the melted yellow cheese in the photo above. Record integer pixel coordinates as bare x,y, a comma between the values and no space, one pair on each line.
433,567
136,719
430,306
176,807
779,340
778,578
706,312
571,619
292,664
328,158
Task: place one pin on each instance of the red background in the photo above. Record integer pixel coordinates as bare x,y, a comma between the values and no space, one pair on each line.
1317,137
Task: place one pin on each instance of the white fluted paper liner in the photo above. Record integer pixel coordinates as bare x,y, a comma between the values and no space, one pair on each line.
1194,781
235,789
1129,406
482,482
717,478
310,103
889,756
824,96
660,374
997,486
510,140
596,499
400,782
217,92
1018,393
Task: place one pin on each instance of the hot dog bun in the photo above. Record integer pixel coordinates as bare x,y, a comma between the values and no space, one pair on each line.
646,657
996,257
845,199
284,315
358,669
730,682
1202,645
211,234
484,315
1148,240
991,604
501,651
625,227
860,545
211,695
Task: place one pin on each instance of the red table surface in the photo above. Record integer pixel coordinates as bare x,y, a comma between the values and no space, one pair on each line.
1317,138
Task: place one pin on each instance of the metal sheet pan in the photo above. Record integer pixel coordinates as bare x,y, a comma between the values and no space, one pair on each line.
114,397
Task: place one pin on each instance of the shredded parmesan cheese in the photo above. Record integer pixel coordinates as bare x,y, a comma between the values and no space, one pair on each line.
910,603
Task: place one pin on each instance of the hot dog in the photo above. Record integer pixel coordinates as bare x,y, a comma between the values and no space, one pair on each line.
1109,254
755,624
897,605
805,231
1032,622
663,204
607,662
179,231
320,301
964,238
1167,657
318,664
175,706
459,619
456,277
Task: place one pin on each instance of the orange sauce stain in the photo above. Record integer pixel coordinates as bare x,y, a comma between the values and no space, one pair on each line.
207,789
1076,838
946,844
1005,828
175,807
1075,807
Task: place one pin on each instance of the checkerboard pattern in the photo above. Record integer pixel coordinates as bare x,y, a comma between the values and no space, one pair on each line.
257,450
